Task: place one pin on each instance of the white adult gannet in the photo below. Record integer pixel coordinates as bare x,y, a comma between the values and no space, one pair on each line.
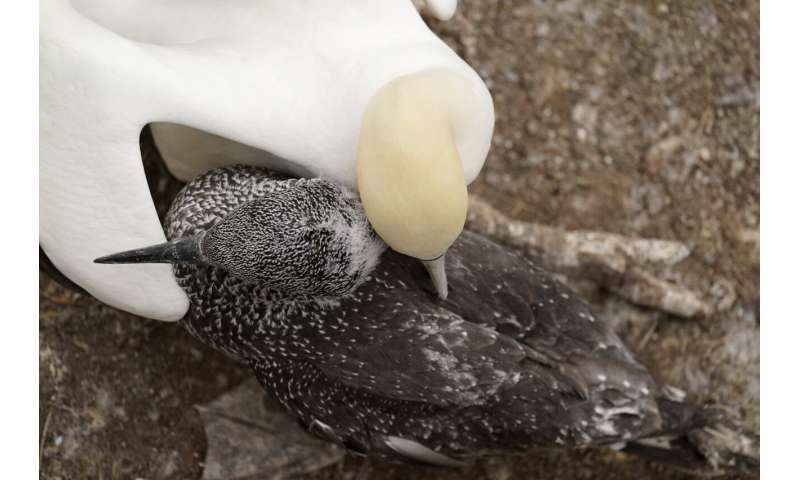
360,92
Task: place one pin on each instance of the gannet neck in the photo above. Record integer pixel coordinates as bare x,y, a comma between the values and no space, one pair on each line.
410,176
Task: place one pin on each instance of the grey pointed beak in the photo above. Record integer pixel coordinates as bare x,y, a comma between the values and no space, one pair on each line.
438,275
186,250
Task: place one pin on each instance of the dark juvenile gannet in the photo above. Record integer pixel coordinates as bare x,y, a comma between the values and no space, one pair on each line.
282,275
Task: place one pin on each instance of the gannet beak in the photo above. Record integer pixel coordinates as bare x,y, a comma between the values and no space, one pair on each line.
438,275
442,9
186,250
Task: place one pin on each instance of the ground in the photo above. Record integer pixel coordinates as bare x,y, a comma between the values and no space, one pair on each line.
633,117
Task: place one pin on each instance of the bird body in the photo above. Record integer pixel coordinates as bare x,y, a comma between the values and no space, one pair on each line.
510,360
275,83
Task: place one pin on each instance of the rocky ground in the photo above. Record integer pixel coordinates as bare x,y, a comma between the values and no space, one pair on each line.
633,117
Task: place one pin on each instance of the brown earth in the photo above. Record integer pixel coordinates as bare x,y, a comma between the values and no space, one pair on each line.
634,117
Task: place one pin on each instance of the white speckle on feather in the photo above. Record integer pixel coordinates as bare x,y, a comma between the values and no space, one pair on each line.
606,427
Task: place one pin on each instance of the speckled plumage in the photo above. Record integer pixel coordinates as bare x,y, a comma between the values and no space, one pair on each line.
510,360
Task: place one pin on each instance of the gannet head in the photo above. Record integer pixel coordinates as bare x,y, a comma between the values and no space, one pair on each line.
410,176
308,237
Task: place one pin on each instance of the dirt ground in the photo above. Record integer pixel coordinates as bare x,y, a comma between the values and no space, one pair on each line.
634,117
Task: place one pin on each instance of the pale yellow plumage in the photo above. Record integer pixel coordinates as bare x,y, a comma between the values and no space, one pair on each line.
410,176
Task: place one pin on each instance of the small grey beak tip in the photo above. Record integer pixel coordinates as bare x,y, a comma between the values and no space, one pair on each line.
113,259
131,256
438,275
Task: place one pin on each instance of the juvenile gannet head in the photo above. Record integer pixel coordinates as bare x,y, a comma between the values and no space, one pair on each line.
410,176
310,238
